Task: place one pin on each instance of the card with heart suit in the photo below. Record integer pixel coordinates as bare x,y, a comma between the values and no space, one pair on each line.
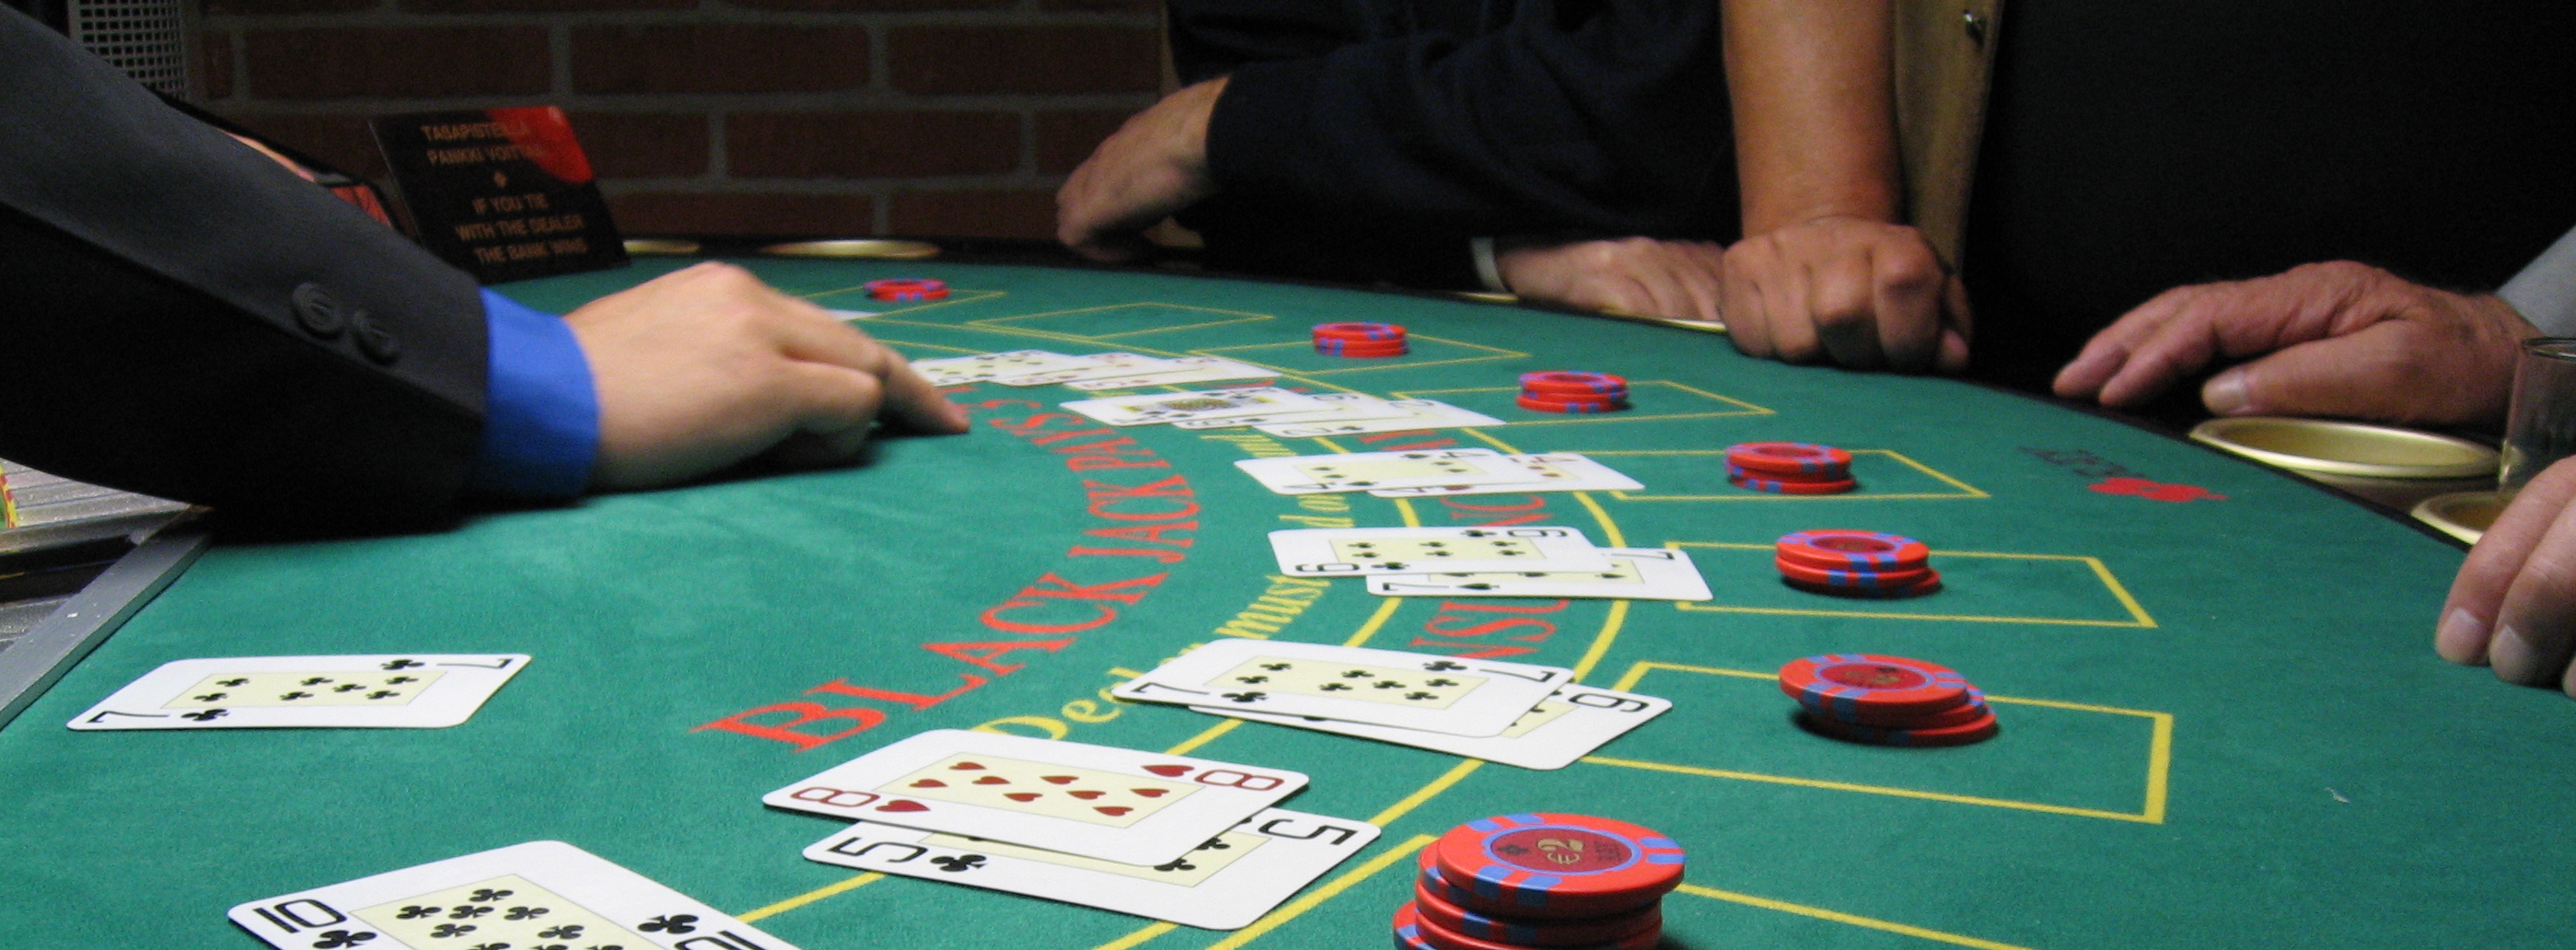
1159,408
1634,574
1344,406
959,370
1353,684
1181,369
1564,728
378,691
1094,366
1547,471
1355,552
1225,883
1094,801
1421,414
1361,471
534,895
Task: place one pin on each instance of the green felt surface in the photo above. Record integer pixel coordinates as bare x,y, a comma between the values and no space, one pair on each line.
2223,721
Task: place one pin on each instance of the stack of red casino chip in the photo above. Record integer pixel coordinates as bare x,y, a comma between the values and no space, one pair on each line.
1856,563
1887,700
1541,881
1573,391
1789,468
1360,340
908,288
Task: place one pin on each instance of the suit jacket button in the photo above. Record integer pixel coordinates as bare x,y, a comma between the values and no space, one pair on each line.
374,340
318,311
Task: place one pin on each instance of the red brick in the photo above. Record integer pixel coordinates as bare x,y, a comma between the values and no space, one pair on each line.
340,140
1025,59
1066,138
215,67
1014,213
718,58
877,144
873,6
287,7
334,62
643,145
718,213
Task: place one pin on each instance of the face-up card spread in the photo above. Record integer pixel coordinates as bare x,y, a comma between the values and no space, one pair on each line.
1342,406
1093,801
1564,728
1356,552
1353,684
1157,408
538,894
1634,574
1225,883
1362,471
959,370
387,691
1420,414
1184,369
1550,471
1094,366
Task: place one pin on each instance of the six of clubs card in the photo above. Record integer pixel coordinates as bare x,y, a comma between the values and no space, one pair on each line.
388,691
1354,684
1356,552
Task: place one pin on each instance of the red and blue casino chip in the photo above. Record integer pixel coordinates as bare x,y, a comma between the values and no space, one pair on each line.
908,288
1852,550
1335,347
1961,714
1789,486
1358,332
1841,577
1518,932
1930,584
1790,458
1978,729
1555,866
1576,383
1843,684
1567,405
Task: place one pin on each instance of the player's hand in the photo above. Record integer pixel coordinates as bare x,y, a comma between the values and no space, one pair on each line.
699,369
2514,603
1636,276
1154,165
2344,339
1864,294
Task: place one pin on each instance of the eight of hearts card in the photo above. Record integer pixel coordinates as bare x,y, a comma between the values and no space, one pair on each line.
1359,552
1362,471
1225,883
387,691
1551,471
1161,408
538,894
1353,684
1094,801
1634,574
1565,727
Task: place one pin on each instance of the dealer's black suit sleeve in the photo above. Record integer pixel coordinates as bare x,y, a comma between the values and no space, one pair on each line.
1398,122
180,316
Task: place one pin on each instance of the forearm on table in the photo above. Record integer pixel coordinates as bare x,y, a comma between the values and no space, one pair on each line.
1815,115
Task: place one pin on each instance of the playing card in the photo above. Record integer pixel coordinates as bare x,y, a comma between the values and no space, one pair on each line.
1224,883
1342,406
1094,366
957,370
1565,727
1549,471
1155,408
1094,801
1350,552
1361,471
1185,369
1423,414
388,691
1354,684
1634,574
847,315
542,894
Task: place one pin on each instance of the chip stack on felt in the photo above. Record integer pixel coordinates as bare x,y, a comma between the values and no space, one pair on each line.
1541,881
1360,340
908,288
1789,468
1887,700
1573,391
1856,563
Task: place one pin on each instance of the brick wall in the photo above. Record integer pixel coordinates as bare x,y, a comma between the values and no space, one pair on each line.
923,117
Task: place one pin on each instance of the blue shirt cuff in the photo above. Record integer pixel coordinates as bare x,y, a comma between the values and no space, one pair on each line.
541,411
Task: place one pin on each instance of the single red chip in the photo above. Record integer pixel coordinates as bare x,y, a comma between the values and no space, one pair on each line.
1930,584
1536,404
1532,933
1844,683
1853,550
1789,458
1335,348
1791,487
1438,937
1555,866
907,288
1408,929
1975,730
1839,577
1573,383
1358,332
1956,715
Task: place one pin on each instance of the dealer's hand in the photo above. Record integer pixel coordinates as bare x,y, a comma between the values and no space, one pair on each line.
2344,339
2514,603
1154,165
1637,276
1864,294
699,369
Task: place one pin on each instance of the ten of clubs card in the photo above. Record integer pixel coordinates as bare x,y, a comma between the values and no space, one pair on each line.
1565,727
1355,552
1225,883
538,894
1386,687
1634,574
1162,408
1363,471
388,691
1094,801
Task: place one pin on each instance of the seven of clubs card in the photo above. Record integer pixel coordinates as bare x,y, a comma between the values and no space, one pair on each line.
1354,684
1224,883
1114,804
1634,574
1359,471
1565,727
1550,471
389,691
1351,552
538,894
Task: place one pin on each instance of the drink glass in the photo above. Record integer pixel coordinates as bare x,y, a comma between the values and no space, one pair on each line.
2540,428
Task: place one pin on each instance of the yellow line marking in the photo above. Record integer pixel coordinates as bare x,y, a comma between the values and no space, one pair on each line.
1384,611
1456,773
1601,642
2138,616
1965,490
928,346
809,897
1141,935
1318,896
1876,789
1609,529
1748,409
1206,736
1842,918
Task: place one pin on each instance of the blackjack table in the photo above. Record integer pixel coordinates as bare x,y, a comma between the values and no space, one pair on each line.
2222,721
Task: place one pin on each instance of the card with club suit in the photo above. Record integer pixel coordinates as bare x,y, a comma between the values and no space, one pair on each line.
1422,414
1354,684
1162,408
1344,406
1357,552
960,370
1094,366
1362,471
1634,574
1185,369
1563,728
367,691
1549,471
